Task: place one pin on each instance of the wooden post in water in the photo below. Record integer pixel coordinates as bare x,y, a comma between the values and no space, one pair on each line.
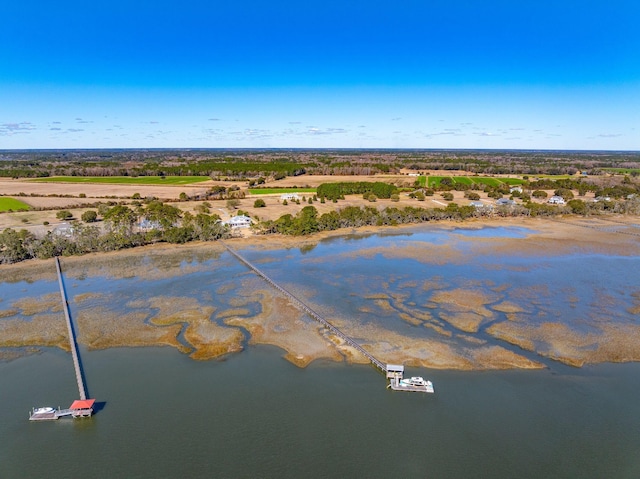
72,336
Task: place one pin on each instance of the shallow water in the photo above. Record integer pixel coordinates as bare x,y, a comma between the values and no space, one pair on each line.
253,414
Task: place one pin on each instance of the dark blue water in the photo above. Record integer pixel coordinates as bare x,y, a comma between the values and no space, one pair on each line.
255,415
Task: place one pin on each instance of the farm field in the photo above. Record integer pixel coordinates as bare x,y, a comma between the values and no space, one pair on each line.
470,180
12,204
622,171
126,180
554,177
271,191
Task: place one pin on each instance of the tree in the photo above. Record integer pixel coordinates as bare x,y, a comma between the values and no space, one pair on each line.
329,221
166,215
233,203
187,219
306,221
12,246
565,193
447,196
395,197
89,216
206,228
539,194
177,235
473,196
446,182
259,203
120,219
86,238
183,196
103,208
64,215
202,208
578,207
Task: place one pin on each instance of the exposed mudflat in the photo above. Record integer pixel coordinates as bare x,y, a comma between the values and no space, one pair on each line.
197,299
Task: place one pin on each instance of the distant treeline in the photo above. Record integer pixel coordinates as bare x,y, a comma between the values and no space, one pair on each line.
279,163
337,191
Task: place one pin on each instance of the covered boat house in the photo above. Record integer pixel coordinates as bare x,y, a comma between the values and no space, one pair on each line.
82,407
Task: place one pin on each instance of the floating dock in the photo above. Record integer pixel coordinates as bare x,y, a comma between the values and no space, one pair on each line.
79,408
82,407
393,372
395,375
40,415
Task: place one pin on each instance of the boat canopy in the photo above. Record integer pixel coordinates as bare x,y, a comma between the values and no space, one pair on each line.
82,404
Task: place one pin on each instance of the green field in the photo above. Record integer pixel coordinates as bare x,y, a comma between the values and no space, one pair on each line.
552,177
422,181
7,204
271,191
126,180
434,181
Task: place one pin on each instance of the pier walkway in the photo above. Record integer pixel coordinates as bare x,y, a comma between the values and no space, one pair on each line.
72,336
82,407
306,309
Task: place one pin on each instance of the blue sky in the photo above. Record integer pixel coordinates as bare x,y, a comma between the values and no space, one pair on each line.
361,74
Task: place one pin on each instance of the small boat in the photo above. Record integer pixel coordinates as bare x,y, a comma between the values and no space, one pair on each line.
416,383
43,410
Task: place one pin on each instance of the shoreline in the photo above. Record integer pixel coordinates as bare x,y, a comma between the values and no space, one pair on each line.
552,226
541,236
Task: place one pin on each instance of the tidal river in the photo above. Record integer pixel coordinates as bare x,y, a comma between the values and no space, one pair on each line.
530,335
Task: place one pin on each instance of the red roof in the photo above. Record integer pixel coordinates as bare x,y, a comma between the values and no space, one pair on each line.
82,404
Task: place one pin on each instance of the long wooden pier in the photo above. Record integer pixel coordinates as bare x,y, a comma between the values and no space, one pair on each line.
72,336
82,407
306,309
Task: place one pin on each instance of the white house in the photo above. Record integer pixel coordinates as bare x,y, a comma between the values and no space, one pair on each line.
514,189
65,230
556,200
240,221
289,196
479,205
148,225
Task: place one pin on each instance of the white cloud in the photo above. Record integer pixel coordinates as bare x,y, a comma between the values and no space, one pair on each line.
7,129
